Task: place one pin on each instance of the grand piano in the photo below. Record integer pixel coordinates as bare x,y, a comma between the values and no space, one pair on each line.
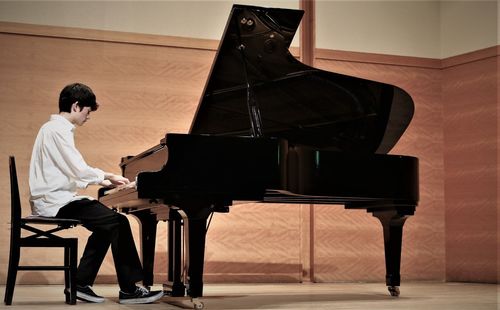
271,129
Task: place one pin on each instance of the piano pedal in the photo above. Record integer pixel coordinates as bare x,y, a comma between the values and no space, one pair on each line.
394,290
185,302
177,290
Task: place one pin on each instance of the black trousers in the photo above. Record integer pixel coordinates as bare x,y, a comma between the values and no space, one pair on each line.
108,228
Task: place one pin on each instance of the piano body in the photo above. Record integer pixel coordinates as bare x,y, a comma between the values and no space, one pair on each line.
271,129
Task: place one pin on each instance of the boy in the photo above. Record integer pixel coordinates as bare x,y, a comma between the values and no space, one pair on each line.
57,170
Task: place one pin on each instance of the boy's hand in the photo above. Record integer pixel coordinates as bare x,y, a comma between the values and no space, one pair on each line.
116,179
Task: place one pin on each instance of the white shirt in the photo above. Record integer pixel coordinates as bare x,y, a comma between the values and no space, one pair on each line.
57,169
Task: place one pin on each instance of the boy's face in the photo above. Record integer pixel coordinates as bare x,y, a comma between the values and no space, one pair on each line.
80,115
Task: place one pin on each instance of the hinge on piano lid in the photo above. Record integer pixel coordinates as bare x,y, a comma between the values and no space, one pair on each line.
253,107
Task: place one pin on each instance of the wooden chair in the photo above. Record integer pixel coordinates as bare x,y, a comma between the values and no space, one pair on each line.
38,238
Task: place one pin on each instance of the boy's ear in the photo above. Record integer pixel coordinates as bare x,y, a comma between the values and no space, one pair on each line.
74,106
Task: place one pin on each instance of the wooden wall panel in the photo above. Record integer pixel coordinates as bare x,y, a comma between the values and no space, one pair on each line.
471,168
144,91
349,244
255,243
148,89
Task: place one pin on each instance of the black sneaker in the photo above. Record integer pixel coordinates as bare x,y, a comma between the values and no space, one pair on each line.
87,294
140,296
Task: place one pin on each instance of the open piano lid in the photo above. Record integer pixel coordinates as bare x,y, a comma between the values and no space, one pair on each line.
254,71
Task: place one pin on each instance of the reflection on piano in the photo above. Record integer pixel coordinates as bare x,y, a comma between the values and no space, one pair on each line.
271,129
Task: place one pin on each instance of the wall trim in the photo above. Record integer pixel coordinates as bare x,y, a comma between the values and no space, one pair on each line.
481,54
384,59
409,61
192,43
107,36
212,45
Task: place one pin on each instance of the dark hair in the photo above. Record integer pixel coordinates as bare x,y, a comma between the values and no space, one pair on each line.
77,92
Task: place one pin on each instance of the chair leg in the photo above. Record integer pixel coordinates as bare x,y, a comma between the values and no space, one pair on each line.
72,271
12,274
67,285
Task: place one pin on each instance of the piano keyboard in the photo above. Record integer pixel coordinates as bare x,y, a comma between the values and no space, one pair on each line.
124,198
119,188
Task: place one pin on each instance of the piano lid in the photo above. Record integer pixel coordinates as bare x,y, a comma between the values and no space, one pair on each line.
256,87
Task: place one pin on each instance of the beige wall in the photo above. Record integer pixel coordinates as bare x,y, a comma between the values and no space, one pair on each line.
432,29
467,26
192,19
409,28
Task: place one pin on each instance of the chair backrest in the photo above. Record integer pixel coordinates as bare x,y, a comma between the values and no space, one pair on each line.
15,200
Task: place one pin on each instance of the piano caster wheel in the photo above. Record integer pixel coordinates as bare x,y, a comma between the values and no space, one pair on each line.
197,305
394,290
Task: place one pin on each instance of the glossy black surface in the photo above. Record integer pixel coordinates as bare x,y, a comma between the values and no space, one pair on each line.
220,169
211,168
254,72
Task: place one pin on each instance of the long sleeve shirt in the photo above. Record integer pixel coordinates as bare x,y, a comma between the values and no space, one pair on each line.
57,169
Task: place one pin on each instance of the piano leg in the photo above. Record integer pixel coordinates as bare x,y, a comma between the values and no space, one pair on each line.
175,265
148,224
197,233
186,260
392,223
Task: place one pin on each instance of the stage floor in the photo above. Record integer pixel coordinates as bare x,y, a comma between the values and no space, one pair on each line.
346,296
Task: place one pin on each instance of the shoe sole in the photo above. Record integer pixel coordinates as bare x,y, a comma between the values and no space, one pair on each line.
89,298
142,300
